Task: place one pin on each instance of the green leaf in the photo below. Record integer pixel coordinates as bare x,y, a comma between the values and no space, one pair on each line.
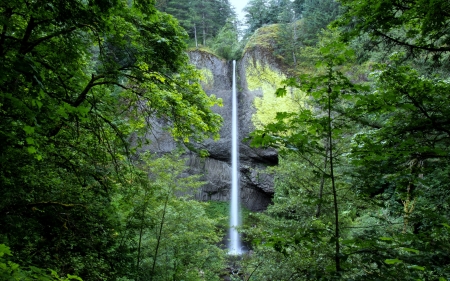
4,250
348,241
31,149
28,129
392,261
411,250
281,92
386,238
83,110
417,267
74,277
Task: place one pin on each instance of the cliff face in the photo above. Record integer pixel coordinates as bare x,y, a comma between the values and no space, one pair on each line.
258,77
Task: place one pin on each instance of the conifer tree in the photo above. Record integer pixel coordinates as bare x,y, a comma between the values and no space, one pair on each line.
202,19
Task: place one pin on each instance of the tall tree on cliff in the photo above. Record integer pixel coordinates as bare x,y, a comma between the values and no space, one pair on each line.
262,12
317,15
257,15
202,19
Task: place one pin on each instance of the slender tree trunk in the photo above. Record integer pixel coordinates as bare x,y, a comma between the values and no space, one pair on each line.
7,15
195,36
204,29
158,239
408,204
139,249
322,181
141,231
295,41
333,184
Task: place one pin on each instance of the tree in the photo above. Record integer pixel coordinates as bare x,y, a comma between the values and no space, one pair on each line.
288,44
263,12
399,155
226,43
11,271
317,14
416,26
398,159
316,136
298,6
77,78
169,232
200,18
257,15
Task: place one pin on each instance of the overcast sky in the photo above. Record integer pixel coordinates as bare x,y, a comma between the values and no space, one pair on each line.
239,5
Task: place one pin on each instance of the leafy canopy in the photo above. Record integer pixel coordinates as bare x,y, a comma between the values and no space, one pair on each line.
77,80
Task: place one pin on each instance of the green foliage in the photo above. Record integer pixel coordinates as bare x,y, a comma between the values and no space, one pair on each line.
414,25
389,142
362,189
265,12
317,14
387,138
226,44
219,211
399,163
312,135
261,76
202,19
10,271
257,15
287,43
170,234
77,79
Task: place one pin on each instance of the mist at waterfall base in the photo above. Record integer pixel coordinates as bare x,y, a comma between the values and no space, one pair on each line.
235,246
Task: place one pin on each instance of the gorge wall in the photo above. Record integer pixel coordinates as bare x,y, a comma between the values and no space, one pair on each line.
258,78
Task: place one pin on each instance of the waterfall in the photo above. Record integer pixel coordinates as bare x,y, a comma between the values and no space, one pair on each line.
234,247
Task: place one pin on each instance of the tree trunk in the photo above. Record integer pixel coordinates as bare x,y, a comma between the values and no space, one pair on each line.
333,184
141,232
322,181
158,238
204,29
295,41
195,36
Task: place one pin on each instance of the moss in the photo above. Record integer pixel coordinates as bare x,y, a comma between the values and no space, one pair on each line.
201,49
207,79
262,77
263,37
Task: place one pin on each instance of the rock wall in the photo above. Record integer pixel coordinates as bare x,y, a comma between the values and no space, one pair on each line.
257,78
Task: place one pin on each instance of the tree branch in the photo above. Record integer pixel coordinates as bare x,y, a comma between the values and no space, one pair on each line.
33,44
398,42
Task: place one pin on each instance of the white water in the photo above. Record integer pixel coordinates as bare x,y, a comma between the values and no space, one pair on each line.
235,247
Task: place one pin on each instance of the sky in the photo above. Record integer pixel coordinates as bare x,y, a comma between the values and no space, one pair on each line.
239,5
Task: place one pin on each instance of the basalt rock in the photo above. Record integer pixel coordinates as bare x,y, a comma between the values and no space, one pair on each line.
256,184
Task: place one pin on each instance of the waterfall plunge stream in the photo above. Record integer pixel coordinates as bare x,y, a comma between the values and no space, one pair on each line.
234,247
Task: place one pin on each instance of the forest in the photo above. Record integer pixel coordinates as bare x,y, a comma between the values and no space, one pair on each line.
362,188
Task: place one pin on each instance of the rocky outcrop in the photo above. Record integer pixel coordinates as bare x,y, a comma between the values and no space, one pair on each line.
256,77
